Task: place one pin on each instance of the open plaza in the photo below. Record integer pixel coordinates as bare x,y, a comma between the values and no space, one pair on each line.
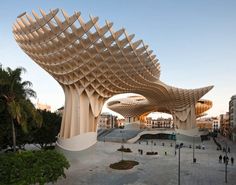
91,166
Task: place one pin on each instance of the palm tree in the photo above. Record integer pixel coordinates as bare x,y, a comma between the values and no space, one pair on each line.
15,93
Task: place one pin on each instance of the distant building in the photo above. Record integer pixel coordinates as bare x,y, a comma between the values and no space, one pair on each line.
232,117
159,123
224,124
148,123
120,122
107,121
42,106
60,111
216,123
209,123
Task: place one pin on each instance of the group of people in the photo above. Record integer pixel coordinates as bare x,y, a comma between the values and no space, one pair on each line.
226,159
140,151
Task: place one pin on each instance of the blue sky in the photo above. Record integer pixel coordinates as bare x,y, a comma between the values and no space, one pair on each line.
195,41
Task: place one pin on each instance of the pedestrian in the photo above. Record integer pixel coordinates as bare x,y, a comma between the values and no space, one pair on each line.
228,149
232,160
220,158
227,160
224,158
165,153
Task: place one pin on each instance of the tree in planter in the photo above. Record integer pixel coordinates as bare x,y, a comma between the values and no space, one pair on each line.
15,94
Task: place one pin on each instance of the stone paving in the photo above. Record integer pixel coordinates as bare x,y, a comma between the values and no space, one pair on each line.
91,167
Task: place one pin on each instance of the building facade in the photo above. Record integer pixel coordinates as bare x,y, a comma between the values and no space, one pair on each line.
224,124
159,123
42,106
107,121
60,111
232,117
216,124
209,123
120,122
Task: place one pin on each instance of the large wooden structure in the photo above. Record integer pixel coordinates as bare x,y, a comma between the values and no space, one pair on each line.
136,108
93,63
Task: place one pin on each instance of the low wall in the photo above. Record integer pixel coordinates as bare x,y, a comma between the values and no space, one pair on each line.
153,132
79,142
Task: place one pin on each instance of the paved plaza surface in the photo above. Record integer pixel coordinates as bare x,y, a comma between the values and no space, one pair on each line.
92,165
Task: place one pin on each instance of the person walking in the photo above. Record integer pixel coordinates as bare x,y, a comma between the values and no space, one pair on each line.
224,159
227,160
232,160
220,159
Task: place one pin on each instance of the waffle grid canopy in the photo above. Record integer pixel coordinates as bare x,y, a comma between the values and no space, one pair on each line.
137,107
92,63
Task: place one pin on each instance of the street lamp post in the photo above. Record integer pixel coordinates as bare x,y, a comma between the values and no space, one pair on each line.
226,161
122,145
151,145
179,168
174,138
194,160
180,146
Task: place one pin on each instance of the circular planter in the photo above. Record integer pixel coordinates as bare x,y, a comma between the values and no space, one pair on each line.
124,165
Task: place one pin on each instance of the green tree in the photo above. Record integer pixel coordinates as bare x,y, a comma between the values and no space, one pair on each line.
46,134
5,129
32,167
15,94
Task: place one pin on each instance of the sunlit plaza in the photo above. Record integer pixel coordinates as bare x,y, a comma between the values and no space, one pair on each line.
92,165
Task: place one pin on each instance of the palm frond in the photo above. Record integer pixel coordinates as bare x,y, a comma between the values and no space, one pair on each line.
15,93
